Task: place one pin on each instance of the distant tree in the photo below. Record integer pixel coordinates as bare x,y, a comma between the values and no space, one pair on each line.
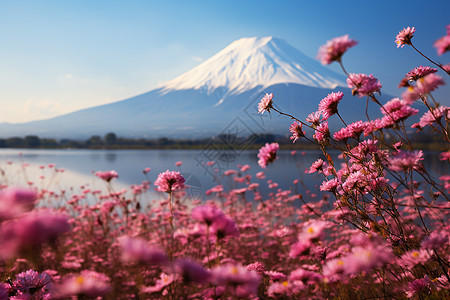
94,140
3,143
110,139
49,143
31,141
14,142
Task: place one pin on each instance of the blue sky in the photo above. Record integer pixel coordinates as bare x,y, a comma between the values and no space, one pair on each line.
61,56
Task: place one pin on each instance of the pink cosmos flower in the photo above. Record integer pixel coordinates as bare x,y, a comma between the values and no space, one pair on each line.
405,160
257,267
410,95
443,44
224,227
243,282
33,283
334,49
419,72
164,281
404,37
30,231
363,85
322,132
297,131
267,154
14,202
313,231
285,290
265,104
190,271
421,286
329,185
138,250
207,214
88,283
170,181
316,166
414,257
429,83
107,175
314,118
328,105
398,110
352,130
433,116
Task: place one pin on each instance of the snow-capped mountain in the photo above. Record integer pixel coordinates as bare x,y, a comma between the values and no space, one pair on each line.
217,95
251,62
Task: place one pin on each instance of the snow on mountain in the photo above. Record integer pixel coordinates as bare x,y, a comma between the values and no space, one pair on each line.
251,62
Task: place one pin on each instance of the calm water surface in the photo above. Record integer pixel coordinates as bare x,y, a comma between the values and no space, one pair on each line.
79,166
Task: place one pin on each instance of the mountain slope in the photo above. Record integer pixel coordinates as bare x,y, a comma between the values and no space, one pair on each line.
211,97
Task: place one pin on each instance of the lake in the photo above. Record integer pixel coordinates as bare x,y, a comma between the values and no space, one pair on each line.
21,166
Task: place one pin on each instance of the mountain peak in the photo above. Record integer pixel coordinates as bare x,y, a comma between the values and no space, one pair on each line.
255,61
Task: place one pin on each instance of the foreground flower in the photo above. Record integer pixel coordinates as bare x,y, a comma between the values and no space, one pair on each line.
107,175
25,234
265,104
429,83
334,49
443,44
267,154
405,161
139,251
404,37
14,202
169,181
297,131
38,285
244,283
363,85
87,283
190,271
328,105
419,72
207,214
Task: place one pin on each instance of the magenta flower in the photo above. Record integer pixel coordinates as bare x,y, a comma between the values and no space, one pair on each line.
243,282
297,131
257,267
316,166
420,286
433,116
353,130
363,85
161,283
404,37
169,181
33,283
14,202
322,132
314,118
443,44
334,49
419,72
429,83
190,271
265,104
207,214
107,175
138,250
405,161
267,154
30,231
224,227
397,110
87,283
328,105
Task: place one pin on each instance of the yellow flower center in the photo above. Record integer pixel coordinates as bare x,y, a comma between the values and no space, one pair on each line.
415,254
310,230
285,283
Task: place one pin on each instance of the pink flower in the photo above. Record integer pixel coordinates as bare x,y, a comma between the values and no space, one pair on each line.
419,72
314,118
14,202
334,49
404,37
169,181
190,271
87,283
296,130
164,281
30,231
443,44
429,83
398,110
415,257
244,283
207,214
420,286
33,283
316,166
257,267
138,250
265,104
178,163
433,116
322,132
267,154
329,185
328,105
107,175
405,160
313,231
363,85
353,130
224,227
